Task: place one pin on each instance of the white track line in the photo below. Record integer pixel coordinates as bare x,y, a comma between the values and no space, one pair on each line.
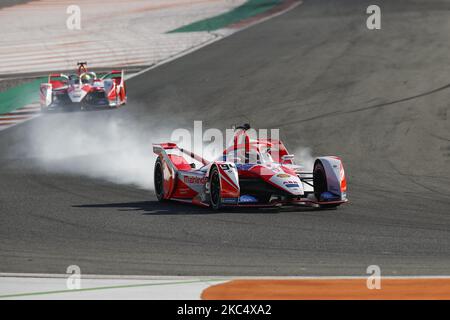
216,278
103,288
53,286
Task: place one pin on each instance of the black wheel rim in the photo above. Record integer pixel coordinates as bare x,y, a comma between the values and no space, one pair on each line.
158,180
215,188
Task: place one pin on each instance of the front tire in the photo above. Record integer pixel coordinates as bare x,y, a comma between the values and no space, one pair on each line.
159,180
214,189
320,184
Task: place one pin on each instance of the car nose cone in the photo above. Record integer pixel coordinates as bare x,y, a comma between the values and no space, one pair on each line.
288,182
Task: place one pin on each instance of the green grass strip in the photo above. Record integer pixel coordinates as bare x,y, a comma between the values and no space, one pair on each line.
17,295
20,95
249,9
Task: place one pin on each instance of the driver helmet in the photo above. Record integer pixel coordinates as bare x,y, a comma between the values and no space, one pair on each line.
86,78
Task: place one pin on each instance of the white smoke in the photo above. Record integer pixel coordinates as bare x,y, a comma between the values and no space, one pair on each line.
103,146
304,158
107,148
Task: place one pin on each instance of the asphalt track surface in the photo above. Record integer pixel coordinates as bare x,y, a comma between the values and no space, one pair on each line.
379,99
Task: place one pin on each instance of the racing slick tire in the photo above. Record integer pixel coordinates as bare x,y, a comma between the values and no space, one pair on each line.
214,189
159,180
320,184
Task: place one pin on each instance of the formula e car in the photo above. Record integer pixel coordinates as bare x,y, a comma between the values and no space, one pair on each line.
83,90
249,173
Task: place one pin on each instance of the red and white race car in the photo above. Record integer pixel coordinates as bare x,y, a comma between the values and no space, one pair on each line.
83,90
250,173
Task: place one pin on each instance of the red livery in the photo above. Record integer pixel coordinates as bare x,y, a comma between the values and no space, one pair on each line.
83,90
249,173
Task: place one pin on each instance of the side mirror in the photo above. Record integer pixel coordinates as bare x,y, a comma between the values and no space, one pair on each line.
192,165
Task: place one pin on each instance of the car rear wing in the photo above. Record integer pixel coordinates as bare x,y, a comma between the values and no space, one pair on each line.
162,148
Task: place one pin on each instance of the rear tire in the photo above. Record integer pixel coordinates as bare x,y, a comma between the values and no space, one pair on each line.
159,180
214,189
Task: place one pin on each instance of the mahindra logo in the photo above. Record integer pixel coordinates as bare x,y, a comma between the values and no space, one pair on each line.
195,180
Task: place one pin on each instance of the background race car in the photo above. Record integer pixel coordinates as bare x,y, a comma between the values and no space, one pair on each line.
83,90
